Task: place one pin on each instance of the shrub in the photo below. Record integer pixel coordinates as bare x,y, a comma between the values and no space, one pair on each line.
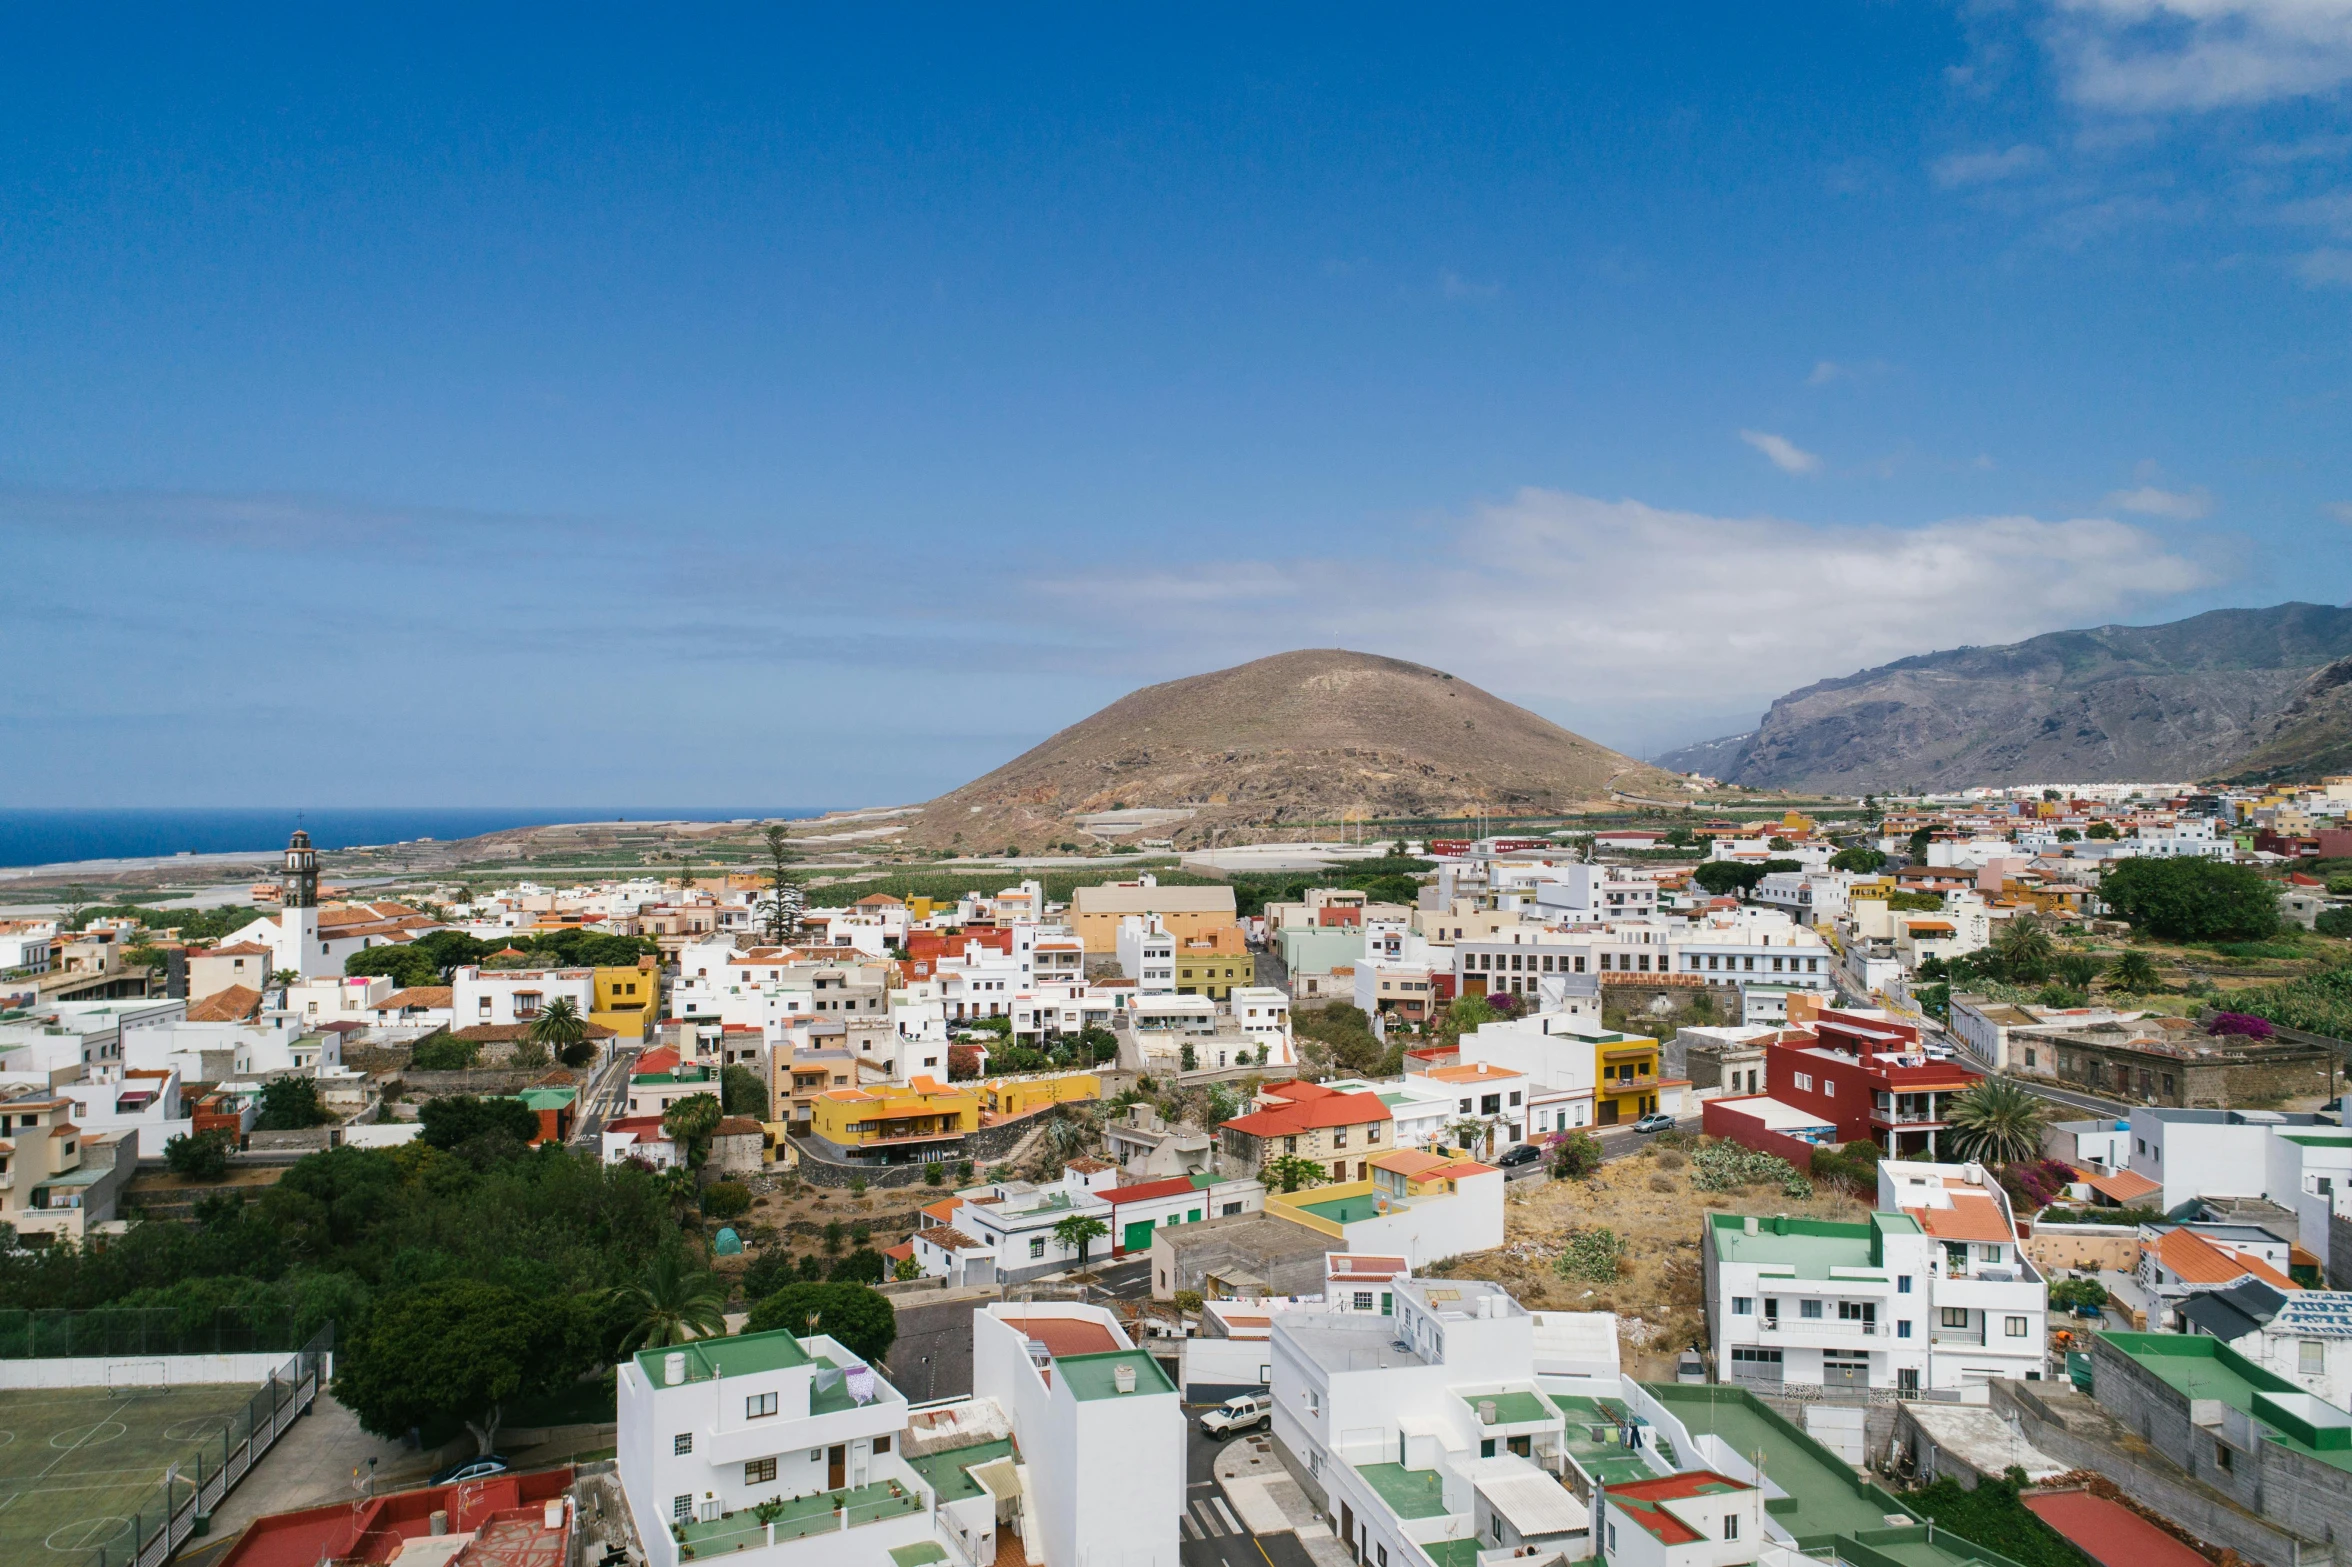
1188,1302
2335,922
2067,1294
1593,1255
1727,1166
1993,1517
862,1266
726,1199
291,1104
860,1318
203,1157
2240,1023
443,1052
1575,1154
931,1172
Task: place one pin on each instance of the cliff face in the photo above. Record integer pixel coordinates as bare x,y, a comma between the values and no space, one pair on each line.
2190,699
1295,738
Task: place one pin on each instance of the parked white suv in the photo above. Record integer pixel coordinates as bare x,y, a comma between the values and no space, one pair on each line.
1237,1414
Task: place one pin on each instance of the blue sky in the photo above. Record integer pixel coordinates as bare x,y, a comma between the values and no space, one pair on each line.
607,405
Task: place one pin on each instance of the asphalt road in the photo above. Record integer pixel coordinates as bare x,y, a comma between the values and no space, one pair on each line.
604,1096
1212,1534
2089,1103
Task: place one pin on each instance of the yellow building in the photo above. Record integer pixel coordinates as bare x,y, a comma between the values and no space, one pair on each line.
1627,1072
627,999
892,1114
1213,963
1186,913
1002,1098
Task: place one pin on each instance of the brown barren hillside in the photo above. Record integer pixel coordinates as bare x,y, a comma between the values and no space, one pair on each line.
1295,739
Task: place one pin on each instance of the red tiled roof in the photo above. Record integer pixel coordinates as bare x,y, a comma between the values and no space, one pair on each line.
2109,1533
1174,1185
2198,1261
420,996
237,1004
2124,1186
1305,1114
1064,1335
1970,1218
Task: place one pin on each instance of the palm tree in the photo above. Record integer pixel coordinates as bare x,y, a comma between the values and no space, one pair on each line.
559,1027
672,1304
2133,974
1996,1122
2024,947
691,1121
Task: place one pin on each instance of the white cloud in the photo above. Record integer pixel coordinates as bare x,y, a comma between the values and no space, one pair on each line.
2145,56
1455,286
1785,454
1983,168
2340,510
2325,268
1515,598
2149,501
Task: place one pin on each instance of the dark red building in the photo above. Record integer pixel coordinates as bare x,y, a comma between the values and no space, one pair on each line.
1869,1076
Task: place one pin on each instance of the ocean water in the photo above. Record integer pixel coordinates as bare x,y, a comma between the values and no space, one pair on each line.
49,837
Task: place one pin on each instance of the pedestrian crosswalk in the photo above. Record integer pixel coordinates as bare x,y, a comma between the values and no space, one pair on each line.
1210,1519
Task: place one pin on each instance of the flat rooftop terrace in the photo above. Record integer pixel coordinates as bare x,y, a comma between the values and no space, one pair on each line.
1829,1498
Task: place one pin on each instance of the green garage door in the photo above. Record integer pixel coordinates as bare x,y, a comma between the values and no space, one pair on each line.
1139,1235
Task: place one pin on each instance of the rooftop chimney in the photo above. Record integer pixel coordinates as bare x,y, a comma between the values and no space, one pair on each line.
1122,1378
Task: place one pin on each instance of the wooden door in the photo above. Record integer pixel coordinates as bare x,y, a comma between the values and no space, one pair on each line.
836,1466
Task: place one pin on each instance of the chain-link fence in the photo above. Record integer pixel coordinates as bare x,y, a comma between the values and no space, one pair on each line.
123,1330
168,1517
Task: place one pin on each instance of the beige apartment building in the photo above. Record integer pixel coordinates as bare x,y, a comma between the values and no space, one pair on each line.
1187,913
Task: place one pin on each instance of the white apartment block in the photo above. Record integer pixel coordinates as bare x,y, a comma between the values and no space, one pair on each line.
1931,1293
507,996
1421,1429
1147,955
1582,893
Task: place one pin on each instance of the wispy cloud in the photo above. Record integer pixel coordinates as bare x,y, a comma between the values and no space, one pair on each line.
1488,596
2325,268
2149,501
1983,168
2150,56
1826,372
1455,286
2340,510
1784,454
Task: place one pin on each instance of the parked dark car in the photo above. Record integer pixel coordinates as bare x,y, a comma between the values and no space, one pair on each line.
472,1469
1518,1154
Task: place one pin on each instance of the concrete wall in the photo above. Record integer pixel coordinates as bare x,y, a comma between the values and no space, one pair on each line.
143,1370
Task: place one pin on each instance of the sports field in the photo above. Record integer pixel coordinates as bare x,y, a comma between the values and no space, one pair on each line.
77,1463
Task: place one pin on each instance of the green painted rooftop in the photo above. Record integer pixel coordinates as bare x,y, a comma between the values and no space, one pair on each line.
1090,1376
2197,1366
1830,1500
727,1357
1409,1493
1343,1210
548,1098
918,1554
2318,1139
949,1472
1809,1247
1513,1408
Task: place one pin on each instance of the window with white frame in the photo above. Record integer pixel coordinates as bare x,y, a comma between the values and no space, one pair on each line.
759,1406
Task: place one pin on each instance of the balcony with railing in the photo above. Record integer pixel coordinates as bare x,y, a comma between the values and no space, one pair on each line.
1817,1330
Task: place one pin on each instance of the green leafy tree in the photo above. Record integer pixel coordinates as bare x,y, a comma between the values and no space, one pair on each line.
1867,861
1728,878
906,1270
2333,922
442,1051
1079,1230
1918,845
862,1265
1996,1122
1290,1172
672,1302
290,1104
2068,835
742,1093
454,1350
2067,1294
2192,899
860,1319
1467,1015
2102,831
2081,970
458,1119
691,1122
402,964
203,1156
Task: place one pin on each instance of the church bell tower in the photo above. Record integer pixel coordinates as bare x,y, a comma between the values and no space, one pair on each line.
298,942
